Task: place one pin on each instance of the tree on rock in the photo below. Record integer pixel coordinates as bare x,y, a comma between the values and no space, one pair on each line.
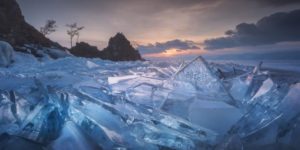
49,27
73,31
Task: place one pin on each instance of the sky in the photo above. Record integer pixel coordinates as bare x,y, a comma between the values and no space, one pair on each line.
181,29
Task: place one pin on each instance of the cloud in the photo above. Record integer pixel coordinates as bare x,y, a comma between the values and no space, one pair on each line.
281,51
179,45
293,54
278,2
276,28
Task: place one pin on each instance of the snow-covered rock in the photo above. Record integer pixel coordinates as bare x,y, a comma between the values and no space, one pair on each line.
6,54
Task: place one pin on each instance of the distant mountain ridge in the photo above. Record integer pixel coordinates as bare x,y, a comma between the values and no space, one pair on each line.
119,49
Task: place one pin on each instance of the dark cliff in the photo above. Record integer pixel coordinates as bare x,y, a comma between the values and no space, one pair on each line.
16,31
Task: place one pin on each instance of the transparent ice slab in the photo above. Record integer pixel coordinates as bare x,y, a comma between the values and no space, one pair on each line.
137,105
196,90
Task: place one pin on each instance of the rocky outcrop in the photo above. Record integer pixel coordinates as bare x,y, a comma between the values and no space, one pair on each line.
16,31
118,49
83,49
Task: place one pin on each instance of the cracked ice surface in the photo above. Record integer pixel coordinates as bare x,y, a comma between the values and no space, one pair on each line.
76,103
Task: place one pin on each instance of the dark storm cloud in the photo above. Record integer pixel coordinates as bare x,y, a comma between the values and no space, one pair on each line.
278,2
162,47
287,54
279,27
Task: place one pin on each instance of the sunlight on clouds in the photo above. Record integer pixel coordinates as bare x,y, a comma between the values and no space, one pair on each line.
175,53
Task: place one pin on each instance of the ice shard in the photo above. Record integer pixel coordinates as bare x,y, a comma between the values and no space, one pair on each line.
272,118
266,87
196,90
201,81
115,128
7,117
239,88
43,124
6,54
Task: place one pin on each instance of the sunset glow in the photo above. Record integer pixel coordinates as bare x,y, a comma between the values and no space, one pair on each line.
147,22
174,52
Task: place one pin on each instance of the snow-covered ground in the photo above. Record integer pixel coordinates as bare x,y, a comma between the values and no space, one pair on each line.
75,103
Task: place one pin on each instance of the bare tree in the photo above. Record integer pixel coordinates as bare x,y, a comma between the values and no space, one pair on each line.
49,27
73,31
